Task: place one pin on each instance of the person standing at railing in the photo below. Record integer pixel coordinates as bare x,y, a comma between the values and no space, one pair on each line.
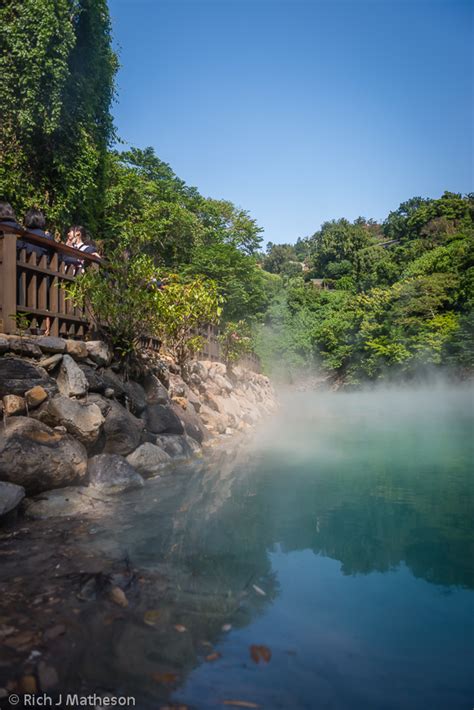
7,217
35,223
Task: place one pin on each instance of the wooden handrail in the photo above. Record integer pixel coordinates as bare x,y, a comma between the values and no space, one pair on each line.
30,283
44,242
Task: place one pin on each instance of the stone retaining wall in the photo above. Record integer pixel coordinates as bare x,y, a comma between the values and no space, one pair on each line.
72,422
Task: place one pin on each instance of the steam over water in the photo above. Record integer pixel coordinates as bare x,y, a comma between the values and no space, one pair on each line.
353,514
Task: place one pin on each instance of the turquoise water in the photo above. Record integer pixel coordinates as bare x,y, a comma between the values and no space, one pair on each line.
353,514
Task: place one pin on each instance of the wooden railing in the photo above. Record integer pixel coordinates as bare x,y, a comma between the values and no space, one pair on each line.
211,349
32,285
32,289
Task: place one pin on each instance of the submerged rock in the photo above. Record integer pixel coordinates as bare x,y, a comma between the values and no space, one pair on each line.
34,456
10,496
178,446
65,502
113,474
149,460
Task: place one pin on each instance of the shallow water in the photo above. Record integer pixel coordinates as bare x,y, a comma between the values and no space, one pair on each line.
353,514
341,540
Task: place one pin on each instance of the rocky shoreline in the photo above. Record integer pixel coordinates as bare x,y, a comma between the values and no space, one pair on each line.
77,431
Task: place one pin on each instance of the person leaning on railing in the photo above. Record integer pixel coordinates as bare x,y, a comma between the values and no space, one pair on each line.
77,239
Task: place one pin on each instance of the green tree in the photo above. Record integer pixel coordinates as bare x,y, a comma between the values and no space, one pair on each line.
57,68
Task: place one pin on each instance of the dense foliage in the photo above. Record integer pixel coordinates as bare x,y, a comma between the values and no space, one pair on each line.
356,299
129,305
149,207
378,300
57,72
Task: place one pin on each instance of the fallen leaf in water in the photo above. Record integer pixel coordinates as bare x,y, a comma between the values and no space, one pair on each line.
213,656
117,595
184,508
180,628
226,627
259,590
260,653
241,704
151,617
166,678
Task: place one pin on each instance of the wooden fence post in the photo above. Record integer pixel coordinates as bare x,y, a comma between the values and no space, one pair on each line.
9,282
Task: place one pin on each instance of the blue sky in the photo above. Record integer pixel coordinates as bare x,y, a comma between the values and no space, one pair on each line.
301,111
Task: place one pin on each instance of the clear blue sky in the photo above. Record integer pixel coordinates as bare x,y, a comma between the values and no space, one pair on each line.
301,111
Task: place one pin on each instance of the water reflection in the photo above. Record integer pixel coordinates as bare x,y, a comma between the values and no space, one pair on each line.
349,487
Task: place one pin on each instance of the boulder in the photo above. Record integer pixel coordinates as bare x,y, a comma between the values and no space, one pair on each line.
49,344
155,391
122,430
76,349
136,398
83,421
4,346
65,503
216,368
177,446
191,423
162,372
18,376
23,346
35,396
177,386
160,419
223,383
111,473
10,496
200,370
72,382
212,419
13,404
49,363
104,404
114,382
95,381
99,352
34,456
149,460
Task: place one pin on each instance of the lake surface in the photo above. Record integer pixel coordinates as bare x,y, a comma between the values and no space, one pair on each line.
341,542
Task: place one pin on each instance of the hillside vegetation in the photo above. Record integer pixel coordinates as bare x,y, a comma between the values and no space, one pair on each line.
395,297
